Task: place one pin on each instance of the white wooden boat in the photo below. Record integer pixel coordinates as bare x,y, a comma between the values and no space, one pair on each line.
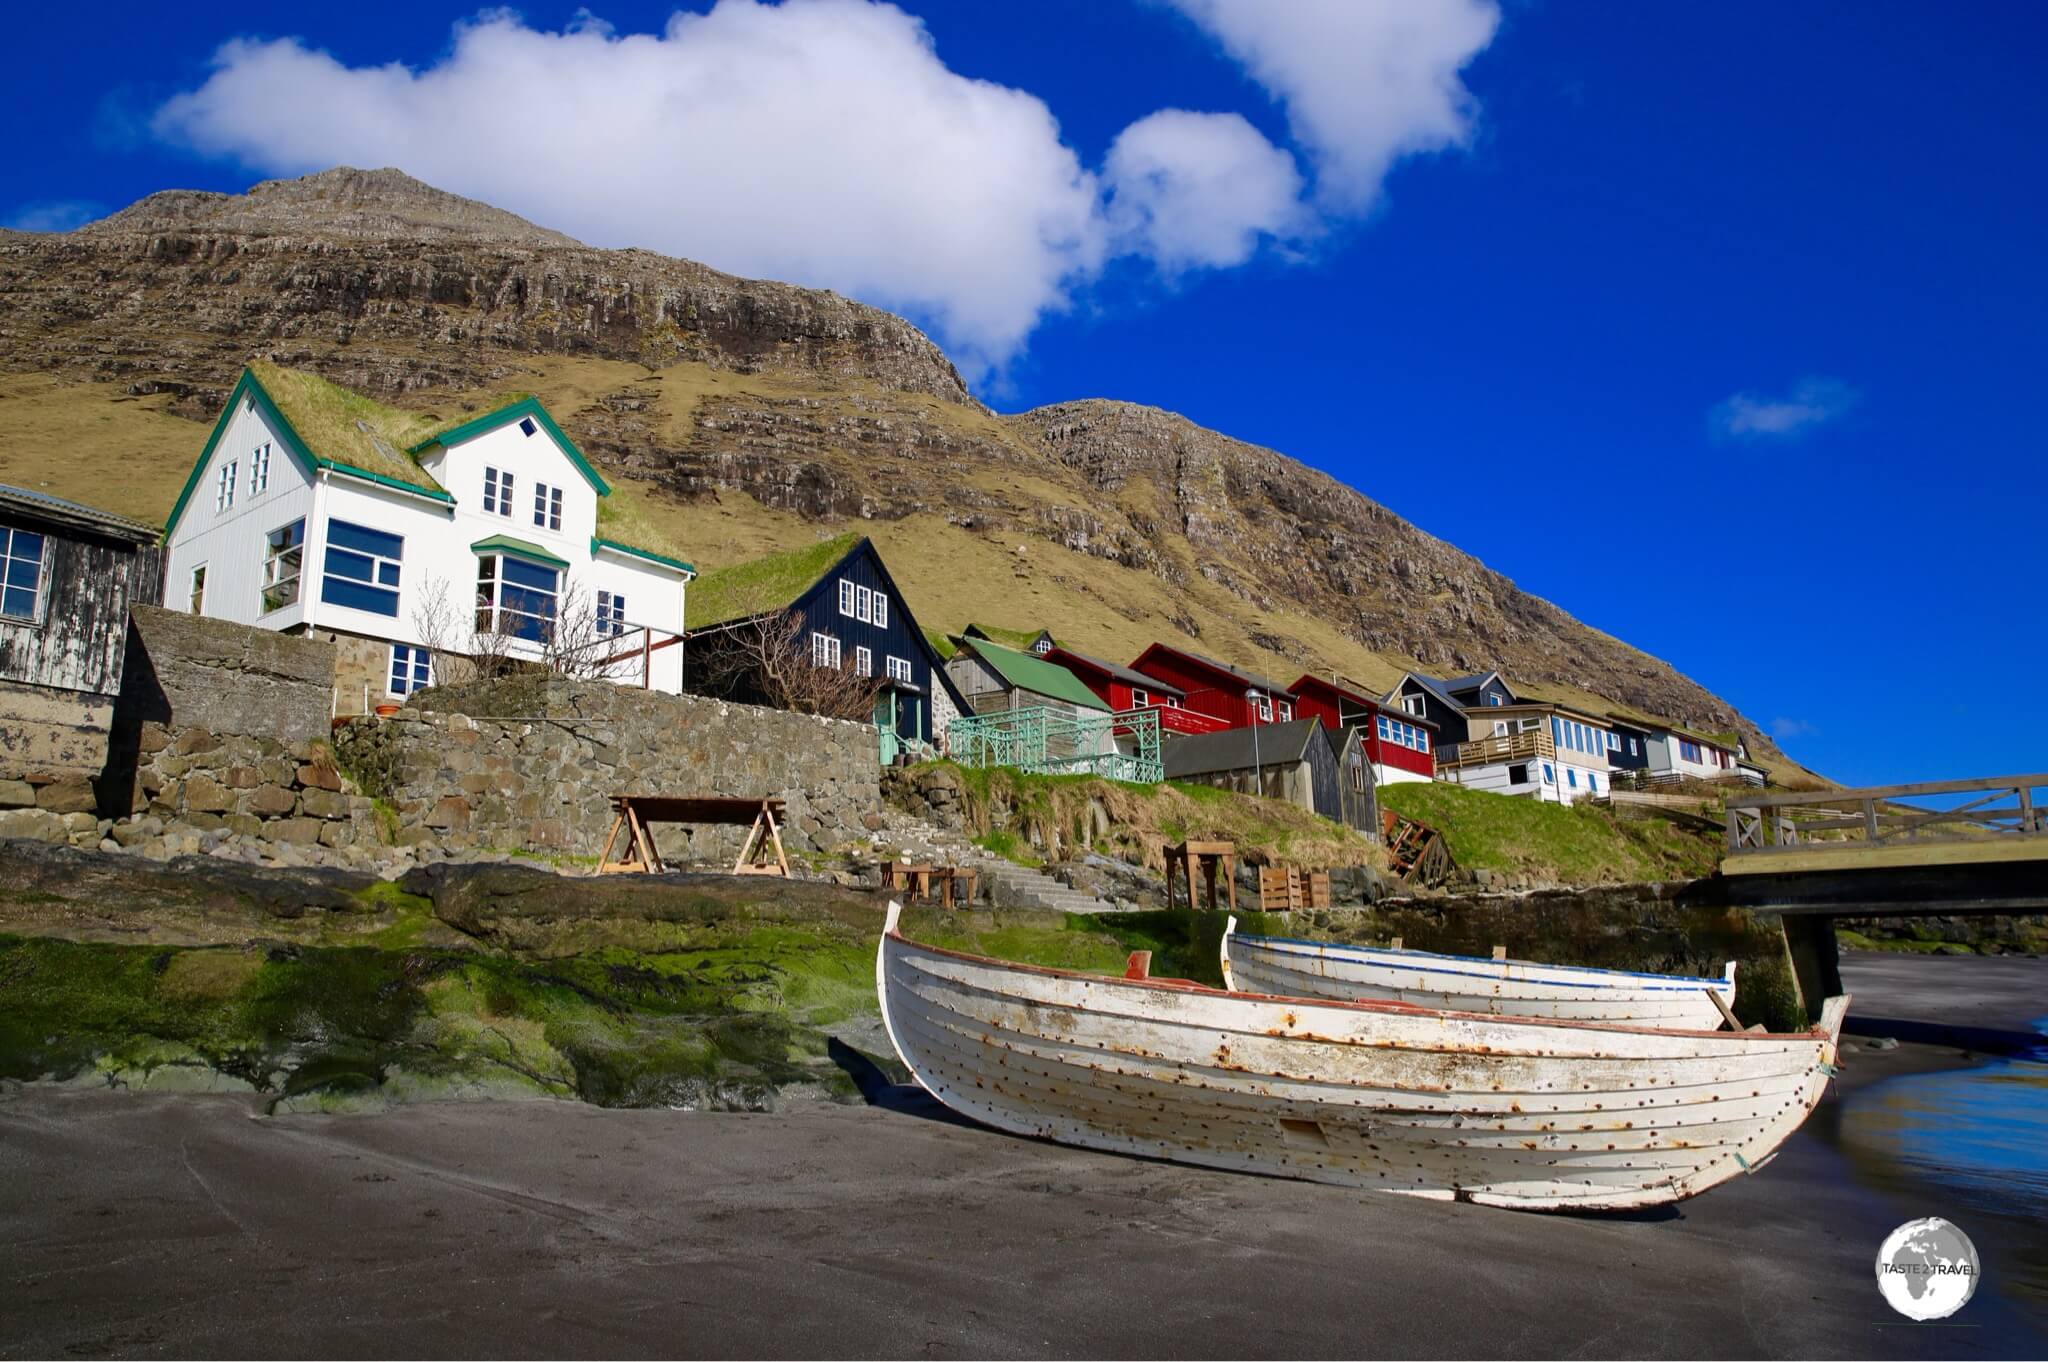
1466,983
1518,1112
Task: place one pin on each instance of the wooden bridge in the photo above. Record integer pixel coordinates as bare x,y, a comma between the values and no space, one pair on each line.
1876,852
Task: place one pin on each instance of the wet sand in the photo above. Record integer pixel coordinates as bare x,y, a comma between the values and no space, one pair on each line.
154,1225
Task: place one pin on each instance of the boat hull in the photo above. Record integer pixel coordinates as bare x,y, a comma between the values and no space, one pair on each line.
1460,983
1518,1113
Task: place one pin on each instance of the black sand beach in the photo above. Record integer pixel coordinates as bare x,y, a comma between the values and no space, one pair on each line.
143,1225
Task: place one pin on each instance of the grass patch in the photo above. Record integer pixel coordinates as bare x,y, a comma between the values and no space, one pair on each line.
1581,843
768,583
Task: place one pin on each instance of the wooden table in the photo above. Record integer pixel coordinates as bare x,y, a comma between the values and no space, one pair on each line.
917,881
633,815
1211,857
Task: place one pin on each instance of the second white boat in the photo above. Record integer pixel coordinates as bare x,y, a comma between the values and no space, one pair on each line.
1463,983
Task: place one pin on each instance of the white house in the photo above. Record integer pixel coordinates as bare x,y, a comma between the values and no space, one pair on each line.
1536,750
315,510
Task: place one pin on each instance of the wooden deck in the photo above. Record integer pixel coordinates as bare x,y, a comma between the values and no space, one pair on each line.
1996,820
1899,856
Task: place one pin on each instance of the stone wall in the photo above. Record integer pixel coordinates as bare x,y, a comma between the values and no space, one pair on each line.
53,744
201,789
530,764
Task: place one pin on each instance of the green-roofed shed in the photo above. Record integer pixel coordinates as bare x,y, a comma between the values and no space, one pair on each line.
993,677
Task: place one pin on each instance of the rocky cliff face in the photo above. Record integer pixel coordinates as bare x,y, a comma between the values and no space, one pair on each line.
826,407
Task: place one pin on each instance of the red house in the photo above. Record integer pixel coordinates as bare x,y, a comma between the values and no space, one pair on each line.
1228,696
1399,745
1123,689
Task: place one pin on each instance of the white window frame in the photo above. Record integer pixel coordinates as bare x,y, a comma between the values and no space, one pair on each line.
415,657
881,610
611,614
224,486
259,468
1286,711
498,488
1140,699
196,597
547,506
899,670
846,598
864,605
42,565
825,651
1414,704
273,576
864,660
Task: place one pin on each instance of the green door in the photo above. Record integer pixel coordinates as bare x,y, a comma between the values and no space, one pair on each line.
885,725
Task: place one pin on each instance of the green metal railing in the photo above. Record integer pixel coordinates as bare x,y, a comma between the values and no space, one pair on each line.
1061,742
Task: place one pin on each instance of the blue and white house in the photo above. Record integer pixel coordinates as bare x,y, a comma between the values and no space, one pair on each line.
313,510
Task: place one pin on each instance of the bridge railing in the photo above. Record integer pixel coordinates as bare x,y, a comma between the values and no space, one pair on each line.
1993,807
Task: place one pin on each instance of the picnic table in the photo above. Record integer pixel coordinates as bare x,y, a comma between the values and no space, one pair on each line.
634,815
917,881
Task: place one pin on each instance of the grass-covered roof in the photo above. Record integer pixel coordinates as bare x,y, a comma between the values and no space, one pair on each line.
762,585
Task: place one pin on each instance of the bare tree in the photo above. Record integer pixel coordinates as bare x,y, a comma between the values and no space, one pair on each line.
770,656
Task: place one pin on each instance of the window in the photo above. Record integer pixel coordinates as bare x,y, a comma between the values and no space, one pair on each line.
1500,729
259,468
224,488
1412,703
1571,777
1593,782
882,612
547,506
1286,711
1688,750
515,598
284,549
864,661
824,650
199,590
411,669
1139,698
1422,740
1358,773
1632,747
611,614
1042,646
864,605
497,492
1493,699
527,427
899,669
1557,730
1518,775
361,571
22,551
1614,742
1385,727
846,598
1549,777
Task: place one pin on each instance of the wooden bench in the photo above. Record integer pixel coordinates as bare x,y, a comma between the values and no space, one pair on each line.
634,815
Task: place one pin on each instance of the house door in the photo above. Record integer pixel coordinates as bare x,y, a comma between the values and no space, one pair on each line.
885,725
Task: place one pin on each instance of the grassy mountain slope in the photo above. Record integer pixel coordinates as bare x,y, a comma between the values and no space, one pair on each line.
750,416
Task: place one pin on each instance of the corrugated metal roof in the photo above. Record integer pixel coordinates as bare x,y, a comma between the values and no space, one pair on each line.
1121,673
1234,749
72,512
1025,671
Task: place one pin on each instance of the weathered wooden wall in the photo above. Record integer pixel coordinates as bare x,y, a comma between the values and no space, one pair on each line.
88,586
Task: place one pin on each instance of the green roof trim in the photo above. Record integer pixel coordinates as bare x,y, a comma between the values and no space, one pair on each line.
598,542
505,543
1025,671
491,420
761,585
251,388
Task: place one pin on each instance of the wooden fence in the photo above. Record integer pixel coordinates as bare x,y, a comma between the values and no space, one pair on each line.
1997,807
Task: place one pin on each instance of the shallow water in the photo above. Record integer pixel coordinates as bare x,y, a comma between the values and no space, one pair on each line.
1978,1137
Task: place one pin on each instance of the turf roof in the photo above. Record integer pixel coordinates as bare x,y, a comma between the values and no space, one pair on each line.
344,427
761,585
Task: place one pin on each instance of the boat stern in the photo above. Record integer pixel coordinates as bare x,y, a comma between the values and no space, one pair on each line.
1229,929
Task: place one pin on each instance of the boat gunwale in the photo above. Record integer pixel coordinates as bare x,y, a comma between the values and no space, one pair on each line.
1679,983
1370,1006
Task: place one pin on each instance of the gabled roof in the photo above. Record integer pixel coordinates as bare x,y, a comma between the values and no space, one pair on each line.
1234,749
1271,688
1447,688
322,426
1072,660
763,586
524,408
505,543
1026,671
1020,639
1727,742
75,516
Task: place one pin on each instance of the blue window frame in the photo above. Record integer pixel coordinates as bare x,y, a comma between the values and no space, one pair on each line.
1592,782
21,553
1571,777
516,598
361,568
1557,730
411,669
1549,776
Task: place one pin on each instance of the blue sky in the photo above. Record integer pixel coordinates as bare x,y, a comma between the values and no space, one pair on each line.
1739,307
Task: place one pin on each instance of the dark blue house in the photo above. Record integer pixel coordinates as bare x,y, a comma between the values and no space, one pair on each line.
1446,702
831,604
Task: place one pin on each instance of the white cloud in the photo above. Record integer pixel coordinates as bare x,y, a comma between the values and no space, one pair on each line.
825,142
1812,401
54,215
1199,189
1364,82
1784,729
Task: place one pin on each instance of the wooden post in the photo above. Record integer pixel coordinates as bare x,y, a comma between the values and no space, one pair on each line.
646,658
